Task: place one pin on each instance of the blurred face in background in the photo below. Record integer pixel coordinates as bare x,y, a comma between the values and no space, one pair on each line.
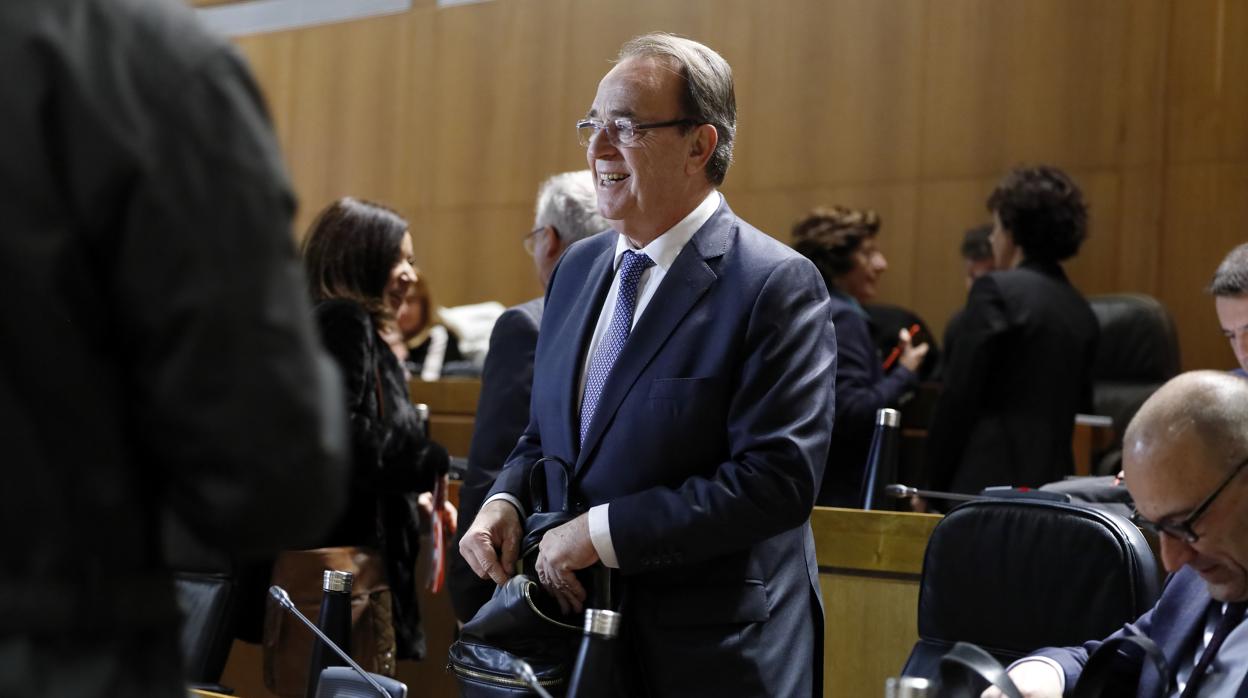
1005,254
402,276
1233,317
862,282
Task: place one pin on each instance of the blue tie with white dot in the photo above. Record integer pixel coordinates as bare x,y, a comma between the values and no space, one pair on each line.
631,268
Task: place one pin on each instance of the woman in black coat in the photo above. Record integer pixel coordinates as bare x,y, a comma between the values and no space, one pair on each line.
358,257
1021,367
841,243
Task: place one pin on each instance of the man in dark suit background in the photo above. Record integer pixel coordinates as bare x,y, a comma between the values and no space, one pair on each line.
692,394
159,368
567,211
1184,455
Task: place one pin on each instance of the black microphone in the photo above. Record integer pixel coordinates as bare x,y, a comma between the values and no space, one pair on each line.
283,599
521,670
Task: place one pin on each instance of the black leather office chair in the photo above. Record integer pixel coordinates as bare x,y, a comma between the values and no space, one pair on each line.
1013,576
205,600
1137,353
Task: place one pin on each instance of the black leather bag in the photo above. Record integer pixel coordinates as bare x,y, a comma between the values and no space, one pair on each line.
521,621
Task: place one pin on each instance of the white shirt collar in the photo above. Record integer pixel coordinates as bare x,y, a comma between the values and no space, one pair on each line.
664,249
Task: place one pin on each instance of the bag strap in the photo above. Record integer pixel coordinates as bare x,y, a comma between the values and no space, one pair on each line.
1104,666
966,660
537,485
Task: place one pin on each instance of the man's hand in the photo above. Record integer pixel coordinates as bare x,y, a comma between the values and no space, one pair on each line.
495,532
1034,680
562,552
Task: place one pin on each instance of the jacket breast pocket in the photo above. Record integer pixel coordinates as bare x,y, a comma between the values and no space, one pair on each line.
688,403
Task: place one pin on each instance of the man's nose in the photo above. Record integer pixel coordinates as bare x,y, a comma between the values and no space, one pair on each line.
600,144
881,264
1175,552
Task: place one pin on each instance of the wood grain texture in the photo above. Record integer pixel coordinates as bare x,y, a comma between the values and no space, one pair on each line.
913,107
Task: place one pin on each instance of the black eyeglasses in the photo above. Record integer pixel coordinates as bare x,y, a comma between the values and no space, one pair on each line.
1183,529
621,132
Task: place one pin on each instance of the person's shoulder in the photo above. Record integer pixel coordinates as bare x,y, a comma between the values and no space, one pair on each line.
585,250
520,319
342,314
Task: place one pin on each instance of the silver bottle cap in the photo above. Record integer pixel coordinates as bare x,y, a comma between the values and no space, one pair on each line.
602,623
906,687
337,580
888,417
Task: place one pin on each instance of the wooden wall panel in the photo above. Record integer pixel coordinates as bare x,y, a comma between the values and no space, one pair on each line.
913,107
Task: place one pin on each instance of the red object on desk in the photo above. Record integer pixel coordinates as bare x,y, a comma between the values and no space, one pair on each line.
896,352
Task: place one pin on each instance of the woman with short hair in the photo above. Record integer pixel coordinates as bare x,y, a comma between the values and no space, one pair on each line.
841,243
1021,368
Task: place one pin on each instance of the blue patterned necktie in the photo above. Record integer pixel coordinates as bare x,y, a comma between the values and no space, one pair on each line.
631,268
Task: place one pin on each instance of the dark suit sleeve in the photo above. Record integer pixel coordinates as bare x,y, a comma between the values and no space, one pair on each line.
502,414
861,386
1073,659
231,395
502,409
779,421
984,320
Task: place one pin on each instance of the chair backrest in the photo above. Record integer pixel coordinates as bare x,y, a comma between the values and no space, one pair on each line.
1016,575
345,682
205,600
1138,351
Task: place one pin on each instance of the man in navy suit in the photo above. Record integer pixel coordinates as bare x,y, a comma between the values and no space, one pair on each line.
685,371
1184,455
567,211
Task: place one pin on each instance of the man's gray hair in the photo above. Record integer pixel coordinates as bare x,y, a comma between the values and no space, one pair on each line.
1231,278
568,202
709,97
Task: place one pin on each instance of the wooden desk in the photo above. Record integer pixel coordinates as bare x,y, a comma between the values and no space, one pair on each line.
869,566
452,407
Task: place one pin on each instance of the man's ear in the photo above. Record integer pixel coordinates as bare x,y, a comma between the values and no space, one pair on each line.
706,137
554,243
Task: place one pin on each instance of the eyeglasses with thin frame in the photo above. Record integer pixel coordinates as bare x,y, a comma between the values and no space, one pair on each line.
530,240
622,133
1183,529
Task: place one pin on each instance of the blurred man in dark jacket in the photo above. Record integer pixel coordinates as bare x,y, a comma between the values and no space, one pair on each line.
155,344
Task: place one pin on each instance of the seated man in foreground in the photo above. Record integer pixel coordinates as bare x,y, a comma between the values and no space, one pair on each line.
1183,455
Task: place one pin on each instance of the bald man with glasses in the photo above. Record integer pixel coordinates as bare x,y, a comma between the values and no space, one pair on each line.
1184,455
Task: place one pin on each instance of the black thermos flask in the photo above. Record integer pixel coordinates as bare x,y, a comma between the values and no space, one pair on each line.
335,621
593,674
882,459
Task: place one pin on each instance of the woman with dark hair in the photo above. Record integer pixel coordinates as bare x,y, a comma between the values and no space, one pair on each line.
1021,368
841,243
358,257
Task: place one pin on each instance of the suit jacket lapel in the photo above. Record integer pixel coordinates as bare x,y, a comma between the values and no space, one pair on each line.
577,331
686,281
1175,636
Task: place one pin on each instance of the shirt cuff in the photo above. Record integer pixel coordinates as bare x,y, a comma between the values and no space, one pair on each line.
600,535
510,500
1061,673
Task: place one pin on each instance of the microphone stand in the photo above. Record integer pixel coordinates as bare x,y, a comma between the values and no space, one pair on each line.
524,672
283,599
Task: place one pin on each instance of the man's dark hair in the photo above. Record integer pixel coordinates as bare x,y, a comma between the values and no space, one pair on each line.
350,250
1043,211
975,245
830,236
709,96
1231,278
